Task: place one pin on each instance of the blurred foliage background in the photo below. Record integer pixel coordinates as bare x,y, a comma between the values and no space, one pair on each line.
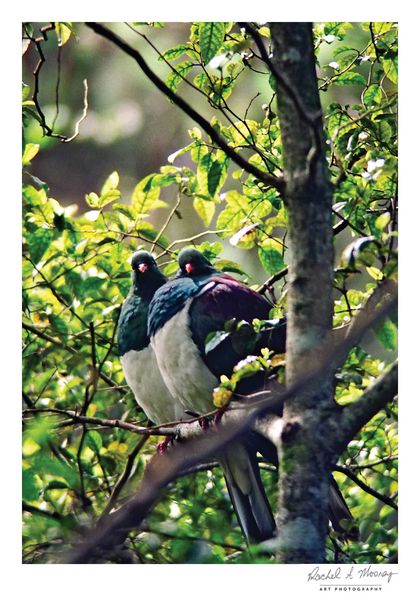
124,182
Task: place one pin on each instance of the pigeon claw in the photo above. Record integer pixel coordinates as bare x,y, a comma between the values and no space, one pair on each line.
164,444
219,414
204,423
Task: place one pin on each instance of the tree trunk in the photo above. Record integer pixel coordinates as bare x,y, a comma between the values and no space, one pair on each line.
303,482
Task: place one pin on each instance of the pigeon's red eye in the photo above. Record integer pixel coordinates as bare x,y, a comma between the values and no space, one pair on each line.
142,267
189,267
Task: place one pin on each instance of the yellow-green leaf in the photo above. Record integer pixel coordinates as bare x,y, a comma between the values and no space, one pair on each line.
63,33
111,182
382,221
31,150
271,255
205,209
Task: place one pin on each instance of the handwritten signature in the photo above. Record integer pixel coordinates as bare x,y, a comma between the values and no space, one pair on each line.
350,573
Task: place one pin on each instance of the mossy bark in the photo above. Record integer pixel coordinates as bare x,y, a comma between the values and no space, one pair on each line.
303,482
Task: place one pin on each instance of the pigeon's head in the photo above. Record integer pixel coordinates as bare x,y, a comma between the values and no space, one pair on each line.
145,270
193,263
143,262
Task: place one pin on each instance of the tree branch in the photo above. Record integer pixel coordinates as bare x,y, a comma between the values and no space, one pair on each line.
112,423
266,178
355,415
351,475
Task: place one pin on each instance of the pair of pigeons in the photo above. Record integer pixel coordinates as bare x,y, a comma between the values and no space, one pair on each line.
162,335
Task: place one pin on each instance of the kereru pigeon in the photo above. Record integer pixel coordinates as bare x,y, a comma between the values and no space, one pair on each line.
137,357
181,315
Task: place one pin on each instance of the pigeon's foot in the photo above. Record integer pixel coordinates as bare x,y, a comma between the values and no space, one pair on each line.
163,445
204,423
219,414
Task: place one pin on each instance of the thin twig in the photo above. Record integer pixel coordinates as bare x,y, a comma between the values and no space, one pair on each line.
166,223
84,114
49,130
351,475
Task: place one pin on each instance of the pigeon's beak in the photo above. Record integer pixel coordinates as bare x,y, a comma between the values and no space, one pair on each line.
188,267
142,267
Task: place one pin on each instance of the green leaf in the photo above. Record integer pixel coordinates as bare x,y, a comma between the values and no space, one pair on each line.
111,182
382,221
125,210
381,27
214,339
264,31
148,231
211,174
146,197
341,49
372,95
38,243
388,335
175,78
171,268
94,440
391,69
211,37
162,180
383,131
92,199
55,484
30,488
350,78
63,31
239,212
41,429
270,255
179,152
175,52
109,197
205,209
210,250
202,82
229,266
214,175
374,272
31,150
59,325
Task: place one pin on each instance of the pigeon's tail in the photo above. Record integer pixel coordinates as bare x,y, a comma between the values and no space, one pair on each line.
247,493
339,514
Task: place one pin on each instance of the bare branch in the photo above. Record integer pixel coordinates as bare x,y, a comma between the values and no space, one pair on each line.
84,114
113,423
49,130
384,498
